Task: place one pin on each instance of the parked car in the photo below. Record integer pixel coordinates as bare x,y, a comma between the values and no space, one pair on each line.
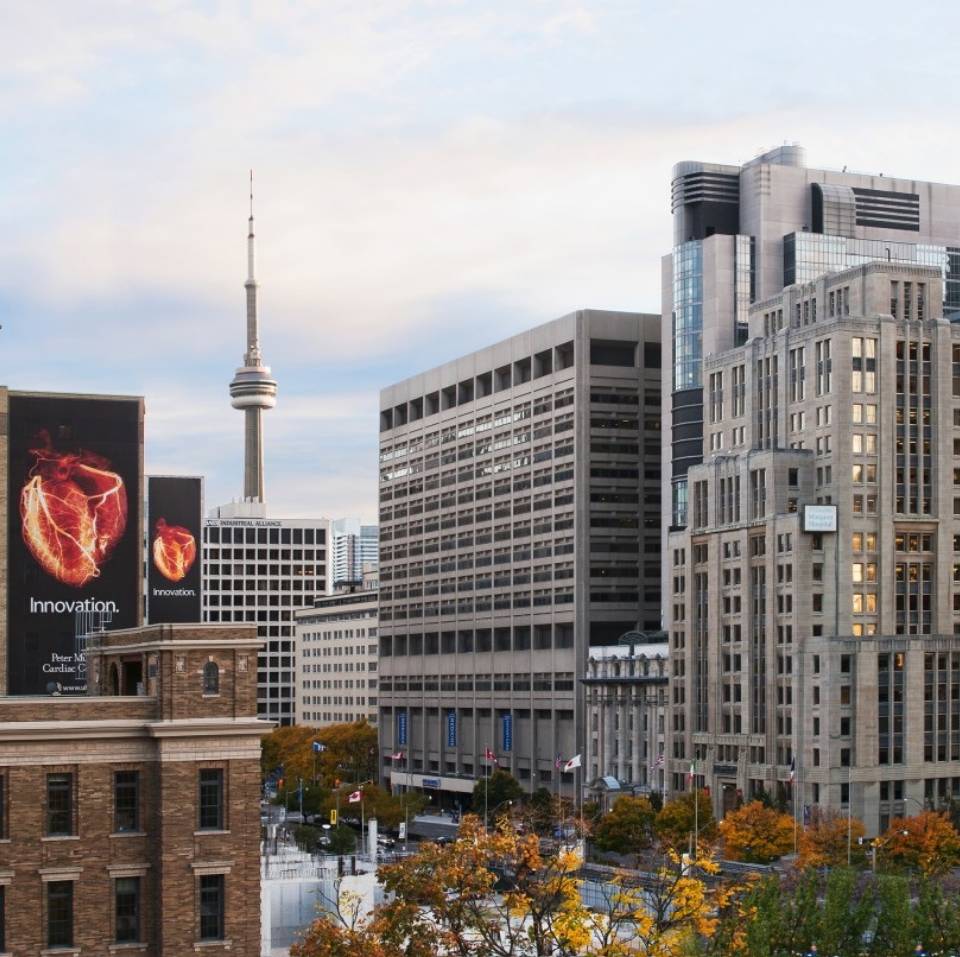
384,841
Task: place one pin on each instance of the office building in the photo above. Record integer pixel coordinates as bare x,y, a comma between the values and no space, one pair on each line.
519,526
260,570
815,592
353,548
626,702
129,819
336,658
744,237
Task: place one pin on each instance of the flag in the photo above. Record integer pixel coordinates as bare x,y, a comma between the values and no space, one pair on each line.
318,747
488,755
398,756
658,763
558,763
355,796
793,769
692,772
574,762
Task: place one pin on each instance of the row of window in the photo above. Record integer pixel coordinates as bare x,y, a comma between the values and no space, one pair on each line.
61,805
59,906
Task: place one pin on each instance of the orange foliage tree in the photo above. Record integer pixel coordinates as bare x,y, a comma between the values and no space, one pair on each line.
756,834
827,840
927,843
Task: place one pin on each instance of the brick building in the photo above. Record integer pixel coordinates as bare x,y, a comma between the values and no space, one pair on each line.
129,821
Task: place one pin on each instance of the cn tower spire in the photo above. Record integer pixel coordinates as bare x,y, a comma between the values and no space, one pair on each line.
252,389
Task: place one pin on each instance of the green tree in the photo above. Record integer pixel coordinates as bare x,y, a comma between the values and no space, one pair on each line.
627,828
500,787
675,824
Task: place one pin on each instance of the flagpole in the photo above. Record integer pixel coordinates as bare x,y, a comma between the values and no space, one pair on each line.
696,812
486,790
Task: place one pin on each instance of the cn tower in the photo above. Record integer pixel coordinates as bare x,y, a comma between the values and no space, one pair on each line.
252,389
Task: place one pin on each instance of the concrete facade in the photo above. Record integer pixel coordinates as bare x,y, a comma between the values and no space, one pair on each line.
259,570
129,877
834,653
336,658
519,525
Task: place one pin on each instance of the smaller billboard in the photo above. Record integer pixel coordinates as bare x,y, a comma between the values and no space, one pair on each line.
819,518
174,515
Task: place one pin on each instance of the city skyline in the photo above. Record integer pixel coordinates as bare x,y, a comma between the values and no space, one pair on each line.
376,137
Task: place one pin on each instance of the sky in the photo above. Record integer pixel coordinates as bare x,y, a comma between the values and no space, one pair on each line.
431,177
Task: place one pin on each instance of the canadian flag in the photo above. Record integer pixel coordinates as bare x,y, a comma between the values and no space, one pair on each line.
488,755
399,756
355,797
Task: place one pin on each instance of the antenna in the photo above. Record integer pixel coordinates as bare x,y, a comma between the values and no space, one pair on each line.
251,194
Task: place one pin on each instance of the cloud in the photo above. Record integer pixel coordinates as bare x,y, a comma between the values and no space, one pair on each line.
431,177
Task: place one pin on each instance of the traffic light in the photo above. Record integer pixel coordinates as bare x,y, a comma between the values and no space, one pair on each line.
280,784
333,817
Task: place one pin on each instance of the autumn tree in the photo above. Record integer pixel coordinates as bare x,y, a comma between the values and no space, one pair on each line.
831,840
290,748
349,753
756,834
627,828
495,894
927,843
679,818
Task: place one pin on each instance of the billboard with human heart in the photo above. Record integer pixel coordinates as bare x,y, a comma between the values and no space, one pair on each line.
75,484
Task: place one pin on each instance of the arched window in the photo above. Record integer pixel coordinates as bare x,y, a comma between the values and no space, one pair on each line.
211,678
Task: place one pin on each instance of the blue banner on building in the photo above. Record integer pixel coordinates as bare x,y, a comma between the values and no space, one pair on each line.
508,732
402,727
451,729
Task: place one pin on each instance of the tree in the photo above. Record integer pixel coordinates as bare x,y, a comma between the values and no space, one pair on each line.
494,894
676,823
349,753
756,834
290,748
927,843
827,840
627,828
500,787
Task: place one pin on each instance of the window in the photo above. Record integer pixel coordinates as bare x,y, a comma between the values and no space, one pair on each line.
126,801
212,907
60,914
211,678
211,799
59,805
3,813
127,908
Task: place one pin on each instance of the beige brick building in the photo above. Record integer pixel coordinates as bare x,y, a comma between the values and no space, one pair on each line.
129,823
834,652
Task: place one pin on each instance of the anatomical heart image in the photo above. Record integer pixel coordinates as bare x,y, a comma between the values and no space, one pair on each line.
174,550
73,509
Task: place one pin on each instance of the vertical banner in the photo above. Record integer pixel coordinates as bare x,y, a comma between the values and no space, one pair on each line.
174,515
451,729
402,727
508,732
74,541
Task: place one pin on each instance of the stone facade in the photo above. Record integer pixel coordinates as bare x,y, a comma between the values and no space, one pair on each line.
626,701
824,664
187,720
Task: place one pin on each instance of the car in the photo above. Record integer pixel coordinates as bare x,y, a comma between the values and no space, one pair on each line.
443,841
384,841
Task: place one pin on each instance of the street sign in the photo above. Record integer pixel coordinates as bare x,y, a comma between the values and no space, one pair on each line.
333,816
